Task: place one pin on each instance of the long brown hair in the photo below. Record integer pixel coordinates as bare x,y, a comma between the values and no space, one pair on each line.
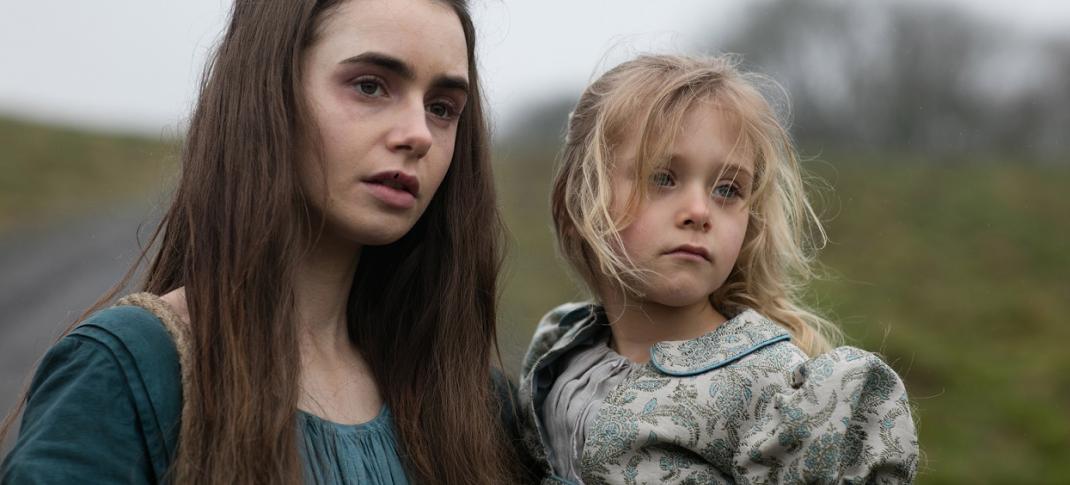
422,310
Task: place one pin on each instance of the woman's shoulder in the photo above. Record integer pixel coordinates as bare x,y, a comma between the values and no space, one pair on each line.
103,344
138,342
116,379
125,326
123,345
136,336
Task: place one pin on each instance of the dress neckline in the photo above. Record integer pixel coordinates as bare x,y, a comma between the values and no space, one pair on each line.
380,419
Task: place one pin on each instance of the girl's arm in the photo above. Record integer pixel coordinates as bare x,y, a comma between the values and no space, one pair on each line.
80,424
846,417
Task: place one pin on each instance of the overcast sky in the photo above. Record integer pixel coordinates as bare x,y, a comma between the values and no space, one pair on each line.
133,65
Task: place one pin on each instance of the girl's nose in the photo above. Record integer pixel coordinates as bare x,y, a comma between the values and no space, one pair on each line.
411,133
694,212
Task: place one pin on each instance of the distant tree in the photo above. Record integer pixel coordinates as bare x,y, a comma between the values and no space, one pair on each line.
543,128
910,77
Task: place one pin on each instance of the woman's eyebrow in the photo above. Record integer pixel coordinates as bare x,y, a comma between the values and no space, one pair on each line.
403,70
446,81
388,62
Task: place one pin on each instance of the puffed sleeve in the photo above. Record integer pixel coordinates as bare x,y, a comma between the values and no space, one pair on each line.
80,424
550,329
845,418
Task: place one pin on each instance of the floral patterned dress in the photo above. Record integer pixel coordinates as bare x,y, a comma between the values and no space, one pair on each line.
740,404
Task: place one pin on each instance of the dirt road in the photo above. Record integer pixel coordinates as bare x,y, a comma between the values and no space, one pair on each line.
49,275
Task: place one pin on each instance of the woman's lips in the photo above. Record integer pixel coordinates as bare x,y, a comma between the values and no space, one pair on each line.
394,188
391,196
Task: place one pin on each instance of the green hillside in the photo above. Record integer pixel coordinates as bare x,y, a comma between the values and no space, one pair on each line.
959,276
47,171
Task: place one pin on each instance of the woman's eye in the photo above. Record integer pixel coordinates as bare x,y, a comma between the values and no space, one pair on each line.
442,110
369,87
662,179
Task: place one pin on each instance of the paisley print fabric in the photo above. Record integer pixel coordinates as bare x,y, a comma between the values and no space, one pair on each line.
740,404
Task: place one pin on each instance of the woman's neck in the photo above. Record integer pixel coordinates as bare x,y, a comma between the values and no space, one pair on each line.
639,324
322,282
336,382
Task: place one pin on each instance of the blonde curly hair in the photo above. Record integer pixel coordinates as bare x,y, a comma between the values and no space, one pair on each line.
648,97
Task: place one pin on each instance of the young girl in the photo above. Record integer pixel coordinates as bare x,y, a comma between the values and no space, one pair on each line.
680,203
320,307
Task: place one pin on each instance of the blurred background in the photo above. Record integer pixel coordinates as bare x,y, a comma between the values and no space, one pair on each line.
937,134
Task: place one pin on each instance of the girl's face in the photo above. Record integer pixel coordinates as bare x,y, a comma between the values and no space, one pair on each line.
689,229
386,82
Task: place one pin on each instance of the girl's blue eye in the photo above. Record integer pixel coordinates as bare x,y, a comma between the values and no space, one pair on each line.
662,179
726,191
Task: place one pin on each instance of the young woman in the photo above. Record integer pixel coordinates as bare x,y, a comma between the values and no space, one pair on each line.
321,304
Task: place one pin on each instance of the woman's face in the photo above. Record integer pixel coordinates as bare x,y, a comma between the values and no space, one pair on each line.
386,82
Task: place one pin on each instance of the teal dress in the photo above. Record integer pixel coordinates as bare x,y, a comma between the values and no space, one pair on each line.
104,407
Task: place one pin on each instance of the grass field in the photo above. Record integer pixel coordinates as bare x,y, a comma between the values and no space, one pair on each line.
958,274
48,171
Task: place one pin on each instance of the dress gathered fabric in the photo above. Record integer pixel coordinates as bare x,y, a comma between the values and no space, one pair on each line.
575,398
365,453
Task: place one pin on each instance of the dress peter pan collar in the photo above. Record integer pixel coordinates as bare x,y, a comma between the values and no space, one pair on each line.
734,339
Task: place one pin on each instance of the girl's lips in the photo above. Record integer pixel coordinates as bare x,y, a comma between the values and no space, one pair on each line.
391,196
691,251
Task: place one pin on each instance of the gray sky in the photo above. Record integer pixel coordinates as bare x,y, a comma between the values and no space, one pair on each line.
134,64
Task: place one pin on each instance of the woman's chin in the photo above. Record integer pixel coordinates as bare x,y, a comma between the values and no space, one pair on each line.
368,233
378,237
